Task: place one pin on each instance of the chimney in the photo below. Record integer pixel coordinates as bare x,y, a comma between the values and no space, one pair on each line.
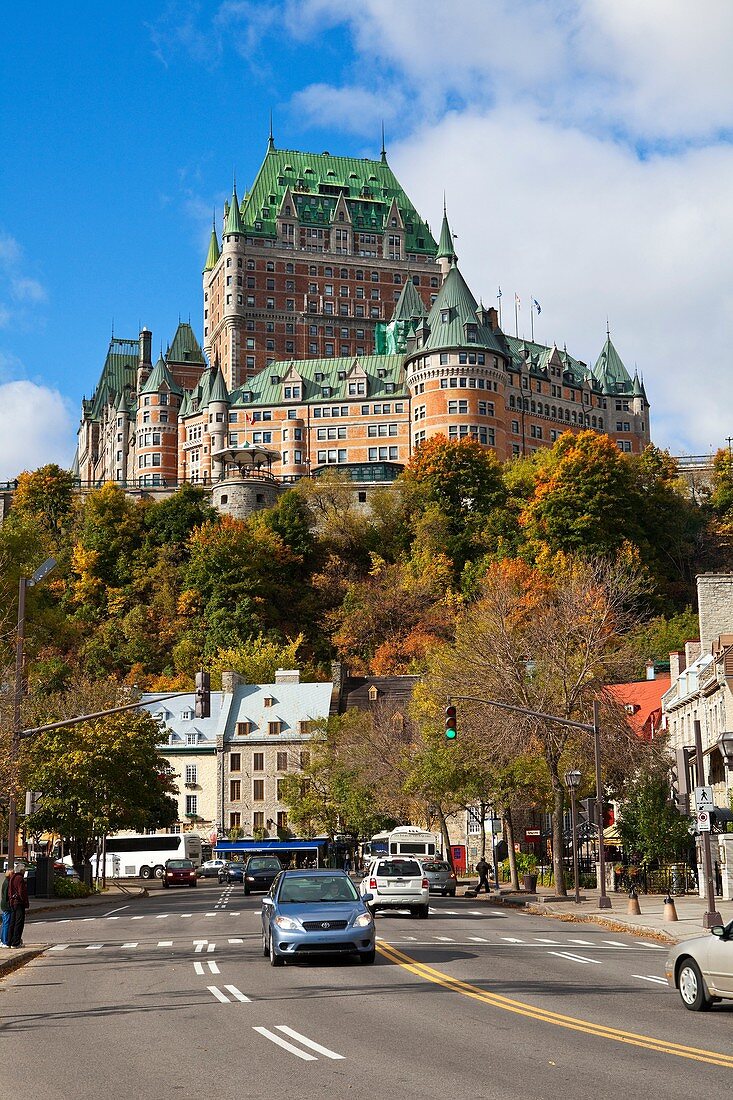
715,606
493,319
287,676
146,347
692,652
677,665
230,681
650,672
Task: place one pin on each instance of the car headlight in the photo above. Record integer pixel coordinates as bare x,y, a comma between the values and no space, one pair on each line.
287,924
363,920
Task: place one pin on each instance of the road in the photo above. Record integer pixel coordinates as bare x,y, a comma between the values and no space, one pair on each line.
170,994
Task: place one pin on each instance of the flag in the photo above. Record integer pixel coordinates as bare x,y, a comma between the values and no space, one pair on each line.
537,306
517,301
499,294
248,418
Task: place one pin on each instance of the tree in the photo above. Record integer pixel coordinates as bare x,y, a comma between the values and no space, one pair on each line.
171,522
99,777
650,825
546,641
257,659
47,494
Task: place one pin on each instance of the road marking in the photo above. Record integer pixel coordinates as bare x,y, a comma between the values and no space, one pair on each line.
63,920
211,914
235,914
213,967
136,918
574,958
655,946
477,939
615,943
211,947
129,945
165,943
510,939
86,919
219,995
285,1045
200,944
552,943
235,941
95,946
445,939
161,916
113,918
236,993
309,1043
571,1023
198,968
650,978
583,943
185,914
59,947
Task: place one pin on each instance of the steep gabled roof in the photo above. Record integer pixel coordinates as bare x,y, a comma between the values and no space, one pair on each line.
409,304
160,378
185,347
317,181
119,370
445,244
455,307
610,370
385,378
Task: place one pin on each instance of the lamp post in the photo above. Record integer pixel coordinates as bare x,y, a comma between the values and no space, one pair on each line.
725,745
572,782
24,583
711,917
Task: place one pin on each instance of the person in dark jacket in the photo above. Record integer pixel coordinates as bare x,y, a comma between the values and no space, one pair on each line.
18,898
5,910
483,868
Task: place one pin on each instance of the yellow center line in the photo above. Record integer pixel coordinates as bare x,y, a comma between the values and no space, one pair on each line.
631,1038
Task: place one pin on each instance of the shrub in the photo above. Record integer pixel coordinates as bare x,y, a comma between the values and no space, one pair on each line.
70,888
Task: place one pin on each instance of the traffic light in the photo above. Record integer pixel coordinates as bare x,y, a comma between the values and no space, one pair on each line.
450,723
203,695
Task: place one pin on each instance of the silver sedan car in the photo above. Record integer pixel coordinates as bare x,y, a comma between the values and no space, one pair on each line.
702,968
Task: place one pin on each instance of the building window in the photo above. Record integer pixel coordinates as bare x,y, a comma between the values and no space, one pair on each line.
273,727
258,761
235,821
282,819
192,803
243,728
258,820
235,790
258,790
282,761
191,773
235,761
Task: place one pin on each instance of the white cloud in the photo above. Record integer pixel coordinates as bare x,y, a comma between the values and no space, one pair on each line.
17,286
36,426
350,109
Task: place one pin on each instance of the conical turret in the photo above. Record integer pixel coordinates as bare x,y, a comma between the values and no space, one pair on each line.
446,255
213,254
234,224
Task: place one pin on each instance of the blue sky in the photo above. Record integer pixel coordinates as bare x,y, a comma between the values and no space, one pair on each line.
584,148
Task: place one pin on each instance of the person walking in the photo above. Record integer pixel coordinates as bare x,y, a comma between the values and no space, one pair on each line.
18,898
482,868
5,910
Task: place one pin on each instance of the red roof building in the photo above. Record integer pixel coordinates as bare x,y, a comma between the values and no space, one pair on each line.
642,701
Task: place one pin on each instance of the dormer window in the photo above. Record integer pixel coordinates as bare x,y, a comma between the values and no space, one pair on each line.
373,693
186,715
342,375
325,391
319,376
192,739
471,333
390,387
268,700
444,316
275,378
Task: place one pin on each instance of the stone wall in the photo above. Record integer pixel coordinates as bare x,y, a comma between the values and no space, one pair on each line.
715,607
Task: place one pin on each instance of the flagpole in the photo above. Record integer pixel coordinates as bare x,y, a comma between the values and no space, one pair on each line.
516,317
498,298
531,316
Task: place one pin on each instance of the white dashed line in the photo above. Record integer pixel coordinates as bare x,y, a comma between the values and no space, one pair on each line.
583,943
309,1043
165,943
218,994
477,939
59,947
235,941
510,939
211,947
285,1045
650,978
161,916
574,958
136,918
551,943
129,945
237,994
95,946
615,943
445,939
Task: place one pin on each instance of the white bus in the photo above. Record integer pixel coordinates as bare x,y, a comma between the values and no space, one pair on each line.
405,840
143,855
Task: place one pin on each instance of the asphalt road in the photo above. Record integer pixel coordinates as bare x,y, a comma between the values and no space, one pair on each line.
171,994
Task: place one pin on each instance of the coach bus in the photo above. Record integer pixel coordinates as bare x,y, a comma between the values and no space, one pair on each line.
143,855
405,840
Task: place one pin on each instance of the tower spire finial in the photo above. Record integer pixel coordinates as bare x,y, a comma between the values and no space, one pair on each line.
384,151
271,139
608,328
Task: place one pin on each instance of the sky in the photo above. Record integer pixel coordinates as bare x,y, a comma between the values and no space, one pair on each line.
584,148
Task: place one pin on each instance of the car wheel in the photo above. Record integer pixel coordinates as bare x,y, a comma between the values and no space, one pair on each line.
692,987
265,947
158,871
368,957
145,872
423,912
275,959
246,891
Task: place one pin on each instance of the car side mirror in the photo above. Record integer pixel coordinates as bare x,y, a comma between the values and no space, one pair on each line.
720,931
367,897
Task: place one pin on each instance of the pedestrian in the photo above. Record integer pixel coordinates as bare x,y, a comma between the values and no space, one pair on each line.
18,898
5,909
347,864
483,876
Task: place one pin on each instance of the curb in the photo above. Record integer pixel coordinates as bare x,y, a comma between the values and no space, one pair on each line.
604,922
18,957
52,904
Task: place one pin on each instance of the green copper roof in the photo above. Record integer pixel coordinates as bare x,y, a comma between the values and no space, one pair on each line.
316,182
185,347
160,378
455,308
610,371
185,408
409,304
218,390
213,254
384,373
445,244
537,356
119,370
234,222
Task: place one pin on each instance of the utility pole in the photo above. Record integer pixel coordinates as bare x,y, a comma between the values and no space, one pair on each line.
711,917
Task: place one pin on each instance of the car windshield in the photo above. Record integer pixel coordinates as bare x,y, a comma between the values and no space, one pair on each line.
263,865
179,865
436,867
302,890
399,868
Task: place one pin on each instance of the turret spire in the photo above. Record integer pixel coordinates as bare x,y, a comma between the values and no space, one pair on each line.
384,151
271,139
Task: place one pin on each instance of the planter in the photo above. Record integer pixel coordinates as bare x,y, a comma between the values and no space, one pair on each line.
529,883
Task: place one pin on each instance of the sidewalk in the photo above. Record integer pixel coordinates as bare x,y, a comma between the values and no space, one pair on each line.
650,922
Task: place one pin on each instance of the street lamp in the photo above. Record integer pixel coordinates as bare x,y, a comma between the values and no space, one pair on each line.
725,744
24,583
572,782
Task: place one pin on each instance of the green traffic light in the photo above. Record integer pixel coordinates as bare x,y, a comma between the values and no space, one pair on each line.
450,735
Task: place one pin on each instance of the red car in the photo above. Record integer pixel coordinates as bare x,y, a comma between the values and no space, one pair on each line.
179,872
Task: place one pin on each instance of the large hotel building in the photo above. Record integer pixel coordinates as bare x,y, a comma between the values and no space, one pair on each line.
336,333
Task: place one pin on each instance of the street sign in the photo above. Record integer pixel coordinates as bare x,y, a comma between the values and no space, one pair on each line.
532,835
704,798
703,821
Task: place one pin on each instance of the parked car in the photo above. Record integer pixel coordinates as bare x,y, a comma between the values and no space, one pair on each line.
316,913
178,872
396,883
211,868
441,877
260,872
231,872
702,968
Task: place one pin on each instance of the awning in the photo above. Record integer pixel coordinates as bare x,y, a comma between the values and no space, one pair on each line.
611,835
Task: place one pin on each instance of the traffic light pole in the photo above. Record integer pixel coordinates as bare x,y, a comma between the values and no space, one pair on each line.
594,728
711,917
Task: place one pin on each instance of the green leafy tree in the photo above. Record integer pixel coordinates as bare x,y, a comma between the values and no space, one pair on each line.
257,659
650,826
47,494
171,522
